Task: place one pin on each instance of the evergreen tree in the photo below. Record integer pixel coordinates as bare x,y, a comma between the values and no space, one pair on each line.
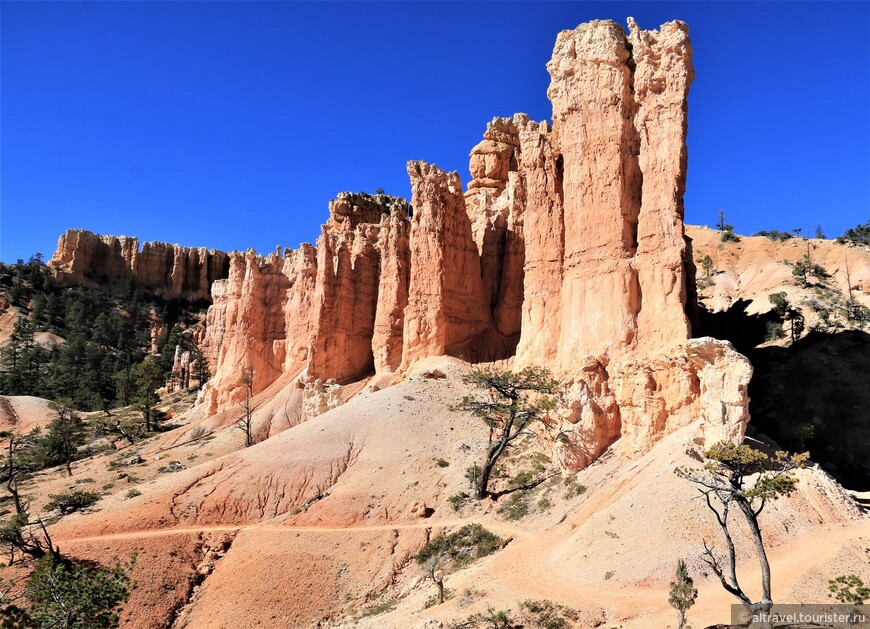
20,361
148,377
683,592
63,594
514,401
66,433
743,479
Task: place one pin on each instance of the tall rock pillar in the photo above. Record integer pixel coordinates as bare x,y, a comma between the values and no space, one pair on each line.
663,73
446,309
593,116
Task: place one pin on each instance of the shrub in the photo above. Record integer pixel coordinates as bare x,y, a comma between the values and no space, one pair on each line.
859,235
442,463
522,479
472,475
133,493
804,269
773,331
379,608
549,615
432,601
729,236
780,302
849,589
62,594
462,547
457,501
775,234
491,619
72,501
516,507
573,488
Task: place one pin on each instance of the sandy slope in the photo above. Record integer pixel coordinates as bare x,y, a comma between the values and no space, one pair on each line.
329,513
757,266
19,414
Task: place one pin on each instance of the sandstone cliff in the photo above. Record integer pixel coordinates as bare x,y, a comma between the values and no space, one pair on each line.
756,266
169,271
567,250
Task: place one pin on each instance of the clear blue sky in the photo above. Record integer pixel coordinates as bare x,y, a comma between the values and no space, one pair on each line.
231,124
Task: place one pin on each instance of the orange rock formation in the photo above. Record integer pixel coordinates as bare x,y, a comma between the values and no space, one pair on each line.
567,250
167,270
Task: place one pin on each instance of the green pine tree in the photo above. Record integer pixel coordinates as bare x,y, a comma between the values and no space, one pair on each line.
683,592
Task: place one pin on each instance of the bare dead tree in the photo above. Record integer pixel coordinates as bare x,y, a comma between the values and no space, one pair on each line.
726,483
852,309
245,421
31,538
432,566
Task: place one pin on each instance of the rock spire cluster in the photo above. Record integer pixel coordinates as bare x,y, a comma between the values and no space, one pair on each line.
116,262
567,249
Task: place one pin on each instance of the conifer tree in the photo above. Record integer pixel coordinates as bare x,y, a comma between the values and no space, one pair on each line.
683,592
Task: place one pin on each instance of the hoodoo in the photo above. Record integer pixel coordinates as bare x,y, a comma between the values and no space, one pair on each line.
567,249
116,262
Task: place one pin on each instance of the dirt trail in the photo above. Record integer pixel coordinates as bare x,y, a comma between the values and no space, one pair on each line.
526,567
496,527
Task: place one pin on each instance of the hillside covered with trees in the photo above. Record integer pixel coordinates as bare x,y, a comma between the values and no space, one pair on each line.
98,350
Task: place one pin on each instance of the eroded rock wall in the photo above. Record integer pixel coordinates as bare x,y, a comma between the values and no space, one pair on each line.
567,250
115,262
446,309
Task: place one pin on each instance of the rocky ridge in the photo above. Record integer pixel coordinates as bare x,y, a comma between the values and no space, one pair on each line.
167,270
567,249
336,507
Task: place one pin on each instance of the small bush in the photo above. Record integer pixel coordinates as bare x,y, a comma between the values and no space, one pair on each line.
728,235
859,235
72,501
462,547
432,601
379,608
573,488
457,501
773,331
549,615
857,312
522,479
544,504
775,234
516,507
133,493
780,302
442,463
491,619
472,475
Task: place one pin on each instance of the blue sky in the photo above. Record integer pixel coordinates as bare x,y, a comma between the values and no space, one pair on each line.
231,124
